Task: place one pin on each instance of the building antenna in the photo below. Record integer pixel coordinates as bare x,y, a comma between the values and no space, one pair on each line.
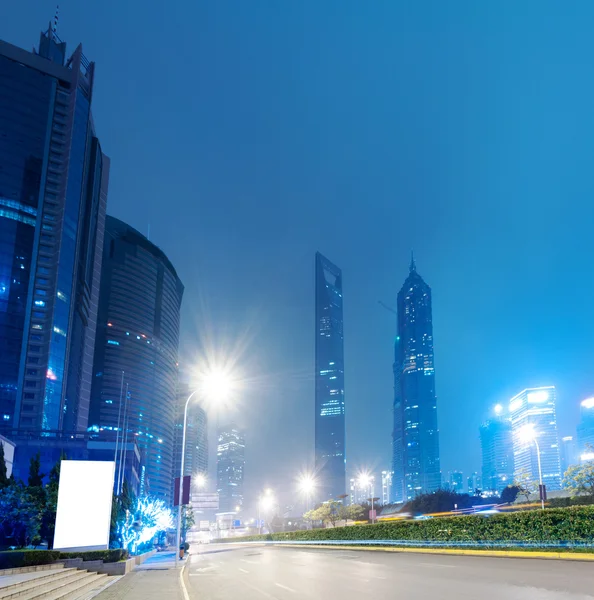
413,266
55,27
148,236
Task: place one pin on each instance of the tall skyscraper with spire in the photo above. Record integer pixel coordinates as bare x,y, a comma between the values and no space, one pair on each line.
416,436
330,454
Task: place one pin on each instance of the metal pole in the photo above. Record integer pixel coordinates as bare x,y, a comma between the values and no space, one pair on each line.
539,474
259,522
115,454
124,440
181,479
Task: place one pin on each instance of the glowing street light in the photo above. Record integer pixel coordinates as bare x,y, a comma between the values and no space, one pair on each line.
200,481
526,435
365,480
215,387
265,503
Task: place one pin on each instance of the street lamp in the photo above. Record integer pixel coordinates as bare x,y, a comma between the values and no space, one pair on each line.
307,485
215,387
200,481
527,434
265,503
367,481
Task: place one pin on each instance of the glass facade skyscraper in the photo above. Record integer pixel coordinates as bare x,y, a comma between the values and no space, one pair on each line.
53,194
138,333
230,467
585,430
498,453
416,462
535,408
330,454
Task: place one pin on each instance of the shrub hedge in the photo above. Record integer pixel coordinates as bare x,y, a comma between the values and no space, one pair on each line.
573,525
108,556
26,558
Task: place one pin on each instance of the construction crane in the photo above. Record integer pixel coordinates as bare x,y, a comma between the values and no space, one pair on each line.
387,307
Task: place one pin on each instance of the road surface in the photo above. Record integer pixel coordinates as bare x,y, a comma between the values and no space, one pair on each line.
276,573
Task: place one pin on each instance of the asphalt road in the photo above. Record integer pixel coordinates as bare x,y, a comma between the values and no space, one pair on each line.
273,573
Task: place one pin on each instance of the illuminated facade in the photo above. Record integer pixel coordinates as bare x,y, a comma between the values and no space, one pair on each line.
386,487
416,462
53,195
536,408
330,456
497,450
585,430
473,483
456,481
568,453
138,333
230,468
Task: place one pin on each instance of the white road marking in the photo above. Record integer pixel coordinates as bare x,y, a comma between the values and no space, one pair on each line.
251,562
182,583
284,587
244,571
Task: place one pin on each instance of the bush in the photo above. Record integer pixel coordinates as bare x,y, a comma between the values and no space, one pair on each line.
27,558
571,525
574,501
107,556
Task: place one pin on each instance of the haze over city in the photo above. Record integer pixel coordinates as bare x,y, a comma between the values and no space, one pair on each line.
247,136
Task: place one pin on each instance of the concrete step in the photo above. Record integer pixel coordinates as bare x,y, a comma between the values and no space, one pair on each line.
75,591
91,591
59,588
18,589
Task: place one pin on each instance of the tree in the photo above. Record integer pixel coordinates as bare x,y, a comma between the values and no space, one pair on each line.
3,469
20,518
328,513
579,479
525,484
353,512
48,520
187,520
509,494
35,477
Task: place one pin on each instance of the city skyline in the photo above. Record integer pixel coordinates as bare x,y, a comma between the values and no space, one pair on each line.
458,322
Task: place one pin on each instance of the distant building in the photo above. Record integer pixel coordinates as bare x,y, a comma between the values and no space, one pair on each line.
53,195
330,453
585,430
474,483
497,450
361,490
456,481
568,453
535,408
8,448
416,463
196,454
230,468
386,487
137,335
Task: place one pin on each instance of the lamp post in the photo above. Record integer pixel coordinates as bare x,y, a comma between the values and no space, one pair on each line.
366,480
216,386
268,500
527,434
307,485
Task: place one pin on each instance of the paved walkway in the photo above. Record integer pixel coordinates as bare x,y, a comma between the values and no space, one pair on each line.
155,579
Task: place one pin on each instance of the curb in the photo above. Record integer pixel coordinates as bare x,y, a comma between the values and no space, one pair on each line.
484,553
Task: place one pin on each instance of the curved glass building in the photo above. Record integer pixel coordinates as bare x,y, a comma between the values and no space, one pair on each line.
137,335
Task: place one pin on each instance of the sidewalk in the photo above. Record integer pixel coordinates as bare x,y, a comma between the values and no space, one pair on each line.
155,579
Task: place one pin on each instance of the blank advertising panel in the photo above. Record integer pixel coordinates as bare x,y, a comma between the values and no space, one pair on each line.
84,505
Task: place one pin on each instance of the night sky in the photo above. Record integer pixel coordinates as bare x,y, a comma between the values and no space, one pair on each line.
248,135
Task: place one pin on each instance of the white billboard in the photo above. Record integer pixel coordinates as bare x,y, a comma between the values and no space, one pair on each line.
84,505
